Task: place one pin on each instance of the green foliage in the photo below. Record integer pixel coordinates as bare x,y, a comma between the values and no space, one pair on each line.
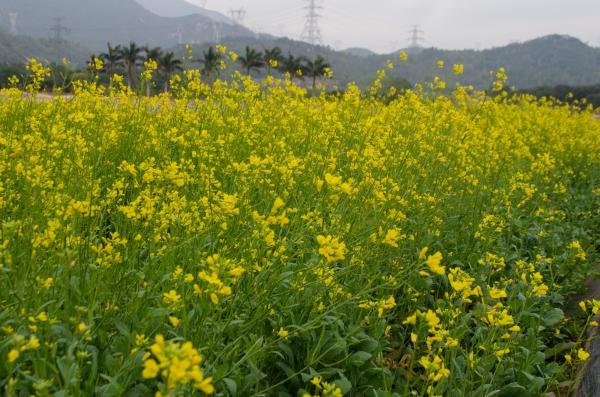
583,94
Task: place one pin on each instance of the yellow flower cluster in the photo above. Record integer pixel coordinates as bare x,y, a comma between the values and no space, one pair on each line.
331,248
252,215
177,364
21,345
324,389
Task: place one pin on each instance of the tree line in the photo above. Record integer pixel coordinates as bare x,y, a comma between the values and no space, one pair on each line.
130,58
128,61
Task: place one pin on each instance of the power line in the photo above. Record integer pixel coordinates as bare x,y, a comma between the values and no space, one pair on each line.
416,37
312,31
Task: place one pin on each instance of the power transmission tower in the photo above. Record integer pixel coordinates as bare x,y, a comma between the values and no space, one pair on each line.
12,17
178,34
312,31
58,29
238,15
216,33
416,37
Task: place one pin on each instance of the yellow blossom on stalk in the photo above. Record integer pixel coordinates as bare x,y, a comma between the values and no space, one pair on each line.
497,293
583,355
283,333
177,364
501,352
38,74
96,64
13,355
45,283
174,321
221,49
150,66
385,304
462,282
392,237
233,56
412,319
440,64
568,358
438,83
458,69
433,321
403,56
434,263
13,81
331,248
171,297
436,369
333,180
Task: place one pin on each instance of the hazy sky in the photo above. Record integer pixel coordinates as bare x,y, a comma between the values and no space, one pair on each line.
383,25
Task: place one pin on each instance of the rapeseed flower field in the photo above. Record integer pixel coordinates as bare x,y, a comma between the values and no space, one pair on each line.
243,238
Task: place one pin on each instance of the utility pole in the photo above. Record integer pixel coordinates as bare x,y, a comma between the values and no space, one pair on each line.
312,31
416,38
58,29
238,15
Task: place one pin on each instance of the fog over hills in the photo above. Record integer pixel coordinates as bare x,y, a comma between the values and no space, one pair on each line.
181,8
93,23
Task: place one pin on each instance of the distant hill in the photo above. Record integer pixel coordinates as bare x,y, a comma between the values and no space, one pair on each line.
361,52
181,8
18,49
93,23
546,61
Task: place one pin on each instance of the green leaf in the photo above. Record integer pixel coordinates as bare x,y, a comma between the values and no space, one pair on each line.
552,317
344,384
359,358
231,386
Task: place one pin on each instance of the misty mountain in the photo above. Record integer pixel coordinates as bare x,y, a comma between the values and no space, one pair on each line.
17,50
358,51
93,23
546,61
181,8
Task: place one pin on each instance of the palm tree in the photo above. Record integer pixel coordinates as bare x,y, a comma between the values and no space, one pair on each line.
272,56
252,60
316,68
154,54
131,55
293,65
169,65
112,59
210,61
